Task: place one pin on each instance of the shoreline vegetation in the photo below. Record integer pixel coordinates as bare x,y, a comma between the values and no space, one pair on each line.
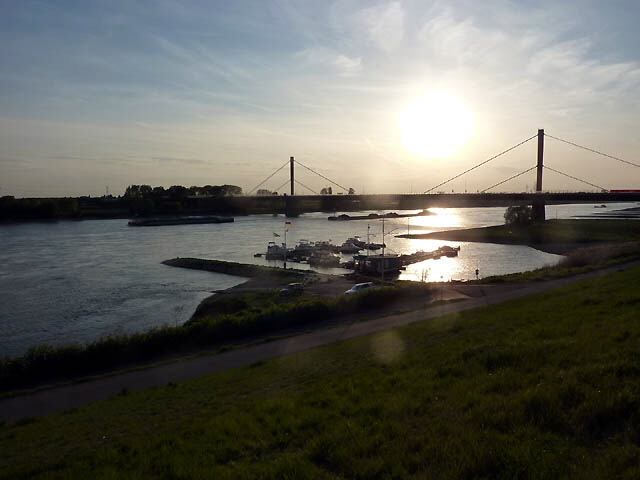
246,315
529,388
254,310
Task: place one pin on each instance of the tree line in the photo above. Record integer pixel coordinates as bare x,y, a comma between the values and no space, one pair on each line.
137,200
178,192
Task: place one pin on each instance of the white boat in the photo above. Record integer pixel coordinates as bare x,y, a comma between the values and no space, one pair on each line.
275,251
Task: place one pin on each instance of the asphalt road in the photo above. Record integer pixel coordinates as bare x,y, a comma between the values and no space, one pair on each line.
73,395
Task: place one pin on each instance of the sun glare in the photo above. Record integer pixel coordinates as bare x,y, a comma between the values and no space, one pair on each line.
435,126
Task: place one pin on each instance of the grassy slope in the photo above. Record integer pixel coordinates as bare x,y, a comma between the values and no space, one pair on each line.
551,231
546,387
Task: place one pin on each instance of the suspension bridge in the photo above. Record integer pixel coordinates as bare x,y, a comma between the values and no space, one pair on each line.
293,204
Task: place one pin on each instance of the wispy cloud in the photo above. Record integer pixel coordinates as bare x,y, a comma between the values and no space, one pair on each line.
383,25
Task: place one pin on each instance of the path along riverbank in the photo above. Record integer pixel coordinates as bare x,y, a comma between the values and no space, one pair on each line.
469,296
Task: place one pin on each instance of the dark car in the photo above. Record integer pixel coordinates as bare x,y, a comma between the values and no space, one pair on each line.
292,289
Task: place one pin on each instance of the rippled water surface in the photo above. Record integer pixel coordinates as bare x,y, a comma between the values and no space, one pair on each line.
69,282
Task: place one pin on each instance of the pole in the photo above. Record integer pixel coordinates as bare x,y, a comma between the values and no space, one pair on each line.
540,160
368,227
382,263
285,247
291,177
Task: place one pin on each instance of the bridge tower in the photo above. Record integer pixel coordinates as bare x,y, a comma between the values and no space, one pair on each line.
291,177
540,160
538,204
290,204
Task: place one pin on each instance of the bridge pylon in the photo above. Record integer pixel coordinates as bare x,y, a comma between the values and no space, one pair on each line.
291,176
538,205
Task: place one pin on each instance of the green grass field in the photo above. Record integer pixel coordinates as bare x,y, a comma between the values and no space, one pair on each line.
543,387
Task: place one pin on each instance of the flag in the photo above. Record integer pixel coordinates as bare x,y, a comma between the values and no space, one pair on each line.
286,224
275,234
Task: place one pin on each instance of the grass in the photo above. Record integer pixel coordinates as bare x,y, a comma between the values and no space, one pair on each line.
542,387
238,318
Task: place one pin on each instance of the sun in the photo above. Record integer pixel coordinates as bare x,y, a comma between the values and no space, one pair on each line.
435,126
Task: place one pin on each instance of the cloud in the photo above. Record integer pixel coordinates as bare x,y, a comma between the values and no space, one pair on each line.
329,61
181,161
383,24
348,66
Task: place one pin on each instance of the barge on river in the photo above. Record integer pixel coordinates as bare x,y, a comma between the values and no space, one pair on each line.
156,222
375,216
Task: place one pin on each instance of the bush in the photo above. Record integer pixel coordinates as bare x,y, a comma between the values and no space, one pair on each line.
519,215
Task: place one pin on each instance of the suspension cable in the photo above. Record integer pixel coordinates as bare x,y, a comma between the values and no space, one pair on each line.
285,182
510,178
576,178
320,175
592,150
482,163
308,188
254,188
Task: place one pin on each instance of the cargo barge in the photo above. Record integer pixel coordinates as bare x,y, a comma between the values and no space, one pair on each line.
156,222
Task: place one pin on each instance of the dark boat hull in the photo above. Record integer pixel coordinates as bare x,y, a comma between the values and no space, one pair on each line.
156,222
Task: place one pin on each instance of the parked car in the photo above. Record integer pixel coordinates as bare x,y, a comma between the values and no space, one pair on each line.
359,287
292,289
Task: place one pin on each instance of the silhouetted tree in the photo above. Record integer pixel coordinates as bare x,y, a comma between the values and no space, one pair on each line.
178,192
518,215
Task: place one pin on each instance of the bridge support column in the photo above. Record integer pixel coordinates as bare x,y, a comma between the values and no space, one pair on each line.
291,208
538,205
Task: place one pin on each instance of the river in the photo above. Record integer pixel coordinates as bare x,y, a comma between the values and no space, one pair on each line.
77,281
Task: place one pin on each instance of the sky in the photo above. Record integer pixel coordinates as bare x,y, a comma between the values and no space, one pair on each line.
96,95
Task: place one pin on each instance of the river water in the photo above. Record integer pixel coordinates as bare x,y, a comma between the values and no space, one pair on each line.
67,282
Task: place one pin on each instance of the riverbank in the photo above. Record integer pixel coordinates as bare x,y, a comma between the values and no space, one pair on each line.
249,312
509,388
552,236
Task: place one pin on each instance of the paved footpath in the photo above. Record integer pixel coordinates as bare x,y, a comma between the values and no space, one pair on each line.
73,395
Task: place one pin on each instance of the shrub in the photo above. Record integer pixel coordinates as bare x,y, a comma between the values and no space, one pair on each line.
518,215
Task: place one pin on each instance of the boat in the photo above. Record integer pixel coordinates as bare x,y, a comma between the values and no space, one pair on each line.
420,255
349,247
160,221
275,251
377,264
303,249
323,258
374,216
357,242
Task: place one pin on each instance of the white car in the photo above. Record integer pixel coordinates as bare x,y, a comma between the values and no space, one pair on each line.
359,287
